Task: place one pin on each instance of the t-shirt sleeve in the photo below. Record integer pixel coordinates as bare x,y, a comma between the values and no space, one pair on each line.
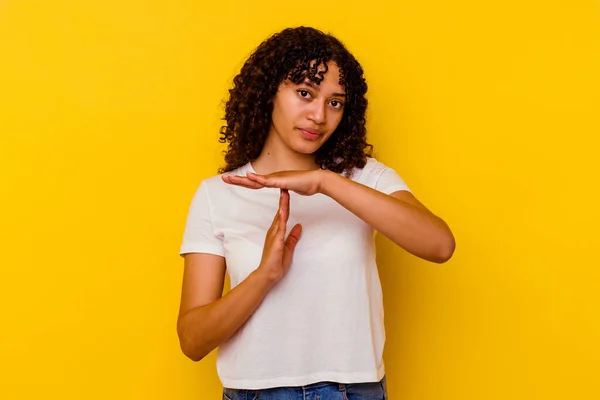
389,181
199,235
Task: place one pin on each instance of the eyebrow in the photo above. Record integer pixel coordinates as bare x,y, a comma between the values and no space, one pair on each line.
314,86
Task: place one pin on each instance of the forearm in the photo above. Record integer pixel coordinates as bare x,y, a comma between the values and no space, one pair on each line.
204,328
410,226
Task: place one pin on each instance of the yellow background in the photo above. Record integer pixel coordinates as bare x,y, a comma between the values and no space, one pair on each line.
109,117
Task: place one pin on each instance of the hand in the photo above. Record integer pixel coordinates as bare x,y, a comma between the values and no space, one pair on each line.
278,251
305,183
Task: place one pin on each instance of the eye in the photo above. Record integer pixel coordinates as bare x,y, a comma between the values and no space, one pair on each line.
336,104
305,94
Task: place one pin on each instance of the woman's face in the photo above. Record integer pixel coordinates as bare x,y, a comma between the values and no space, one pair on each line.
306,115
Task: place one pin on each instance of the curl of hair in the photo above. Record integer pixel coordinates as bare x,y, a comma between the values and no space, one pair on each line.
295,54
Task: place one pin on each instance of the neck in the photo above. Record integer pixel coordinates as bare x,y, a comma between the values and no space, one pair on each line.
277,156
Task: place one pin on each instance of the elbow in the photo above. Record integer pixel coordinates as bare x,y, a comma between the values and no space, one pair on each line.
190,347
445,249
191,351
194,357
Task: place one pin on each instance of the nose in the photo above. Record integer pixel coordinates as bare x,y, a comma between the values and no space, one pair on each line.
317,113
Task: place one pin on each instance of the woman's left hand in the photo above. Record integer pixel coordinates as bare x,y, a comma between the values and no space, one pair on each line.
305,183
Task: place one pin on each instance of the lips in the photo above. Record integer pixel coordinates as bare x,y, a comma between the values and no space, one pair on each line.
312,131
310,134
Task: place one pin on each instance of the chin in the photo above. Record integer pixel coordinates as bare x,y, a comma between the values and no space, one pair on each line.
306,148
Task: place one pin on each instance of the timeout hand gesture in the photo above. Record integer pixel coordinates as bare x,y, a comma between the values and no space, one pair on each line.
305,183
278,250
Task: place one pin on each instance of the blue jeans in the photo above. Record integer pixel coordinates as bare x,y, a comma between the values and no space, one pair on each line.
315,391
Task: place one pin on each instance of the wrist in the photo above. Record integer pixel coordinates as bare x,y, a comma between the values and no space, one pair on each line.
266,277
325,179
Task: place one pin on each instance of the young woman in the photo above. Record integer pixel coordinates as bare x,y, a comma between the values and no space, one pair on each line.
291,218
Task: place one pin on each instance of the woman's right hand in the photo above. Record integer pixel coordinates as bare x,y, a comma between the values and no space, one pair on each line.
278,250
206,318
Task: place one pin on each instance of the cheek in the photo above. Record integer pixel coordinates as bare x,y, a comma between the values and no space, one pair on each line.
284,111
278,116
335,118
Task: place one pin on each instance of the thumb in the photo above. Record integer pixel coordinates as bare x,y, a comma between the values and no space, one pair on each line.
292,240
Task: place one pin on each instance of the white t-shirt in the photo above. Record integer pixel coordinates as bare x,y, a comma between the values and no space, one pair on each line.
323,321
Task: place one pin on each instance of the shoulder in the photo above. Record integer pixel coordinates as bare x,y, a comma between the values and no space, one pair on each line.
215,184
379,176
373,167
213,191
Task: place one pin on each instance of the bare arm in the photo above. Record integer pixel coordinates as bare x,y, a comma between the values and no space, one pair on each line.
205,318
399,216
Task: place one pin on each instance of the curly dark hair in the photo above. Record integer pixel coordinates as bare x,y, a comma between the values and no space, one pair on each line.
295,54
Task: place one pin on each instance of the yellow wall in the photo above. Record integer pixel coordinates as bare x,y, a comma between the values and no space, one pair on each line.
109,117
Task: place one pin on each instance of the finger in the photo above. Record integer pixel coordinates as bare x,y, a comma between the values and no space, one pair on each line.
283,200
291,242
280,205
275,225
245,182
266,181
285,204
256,177
242,181
293,237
